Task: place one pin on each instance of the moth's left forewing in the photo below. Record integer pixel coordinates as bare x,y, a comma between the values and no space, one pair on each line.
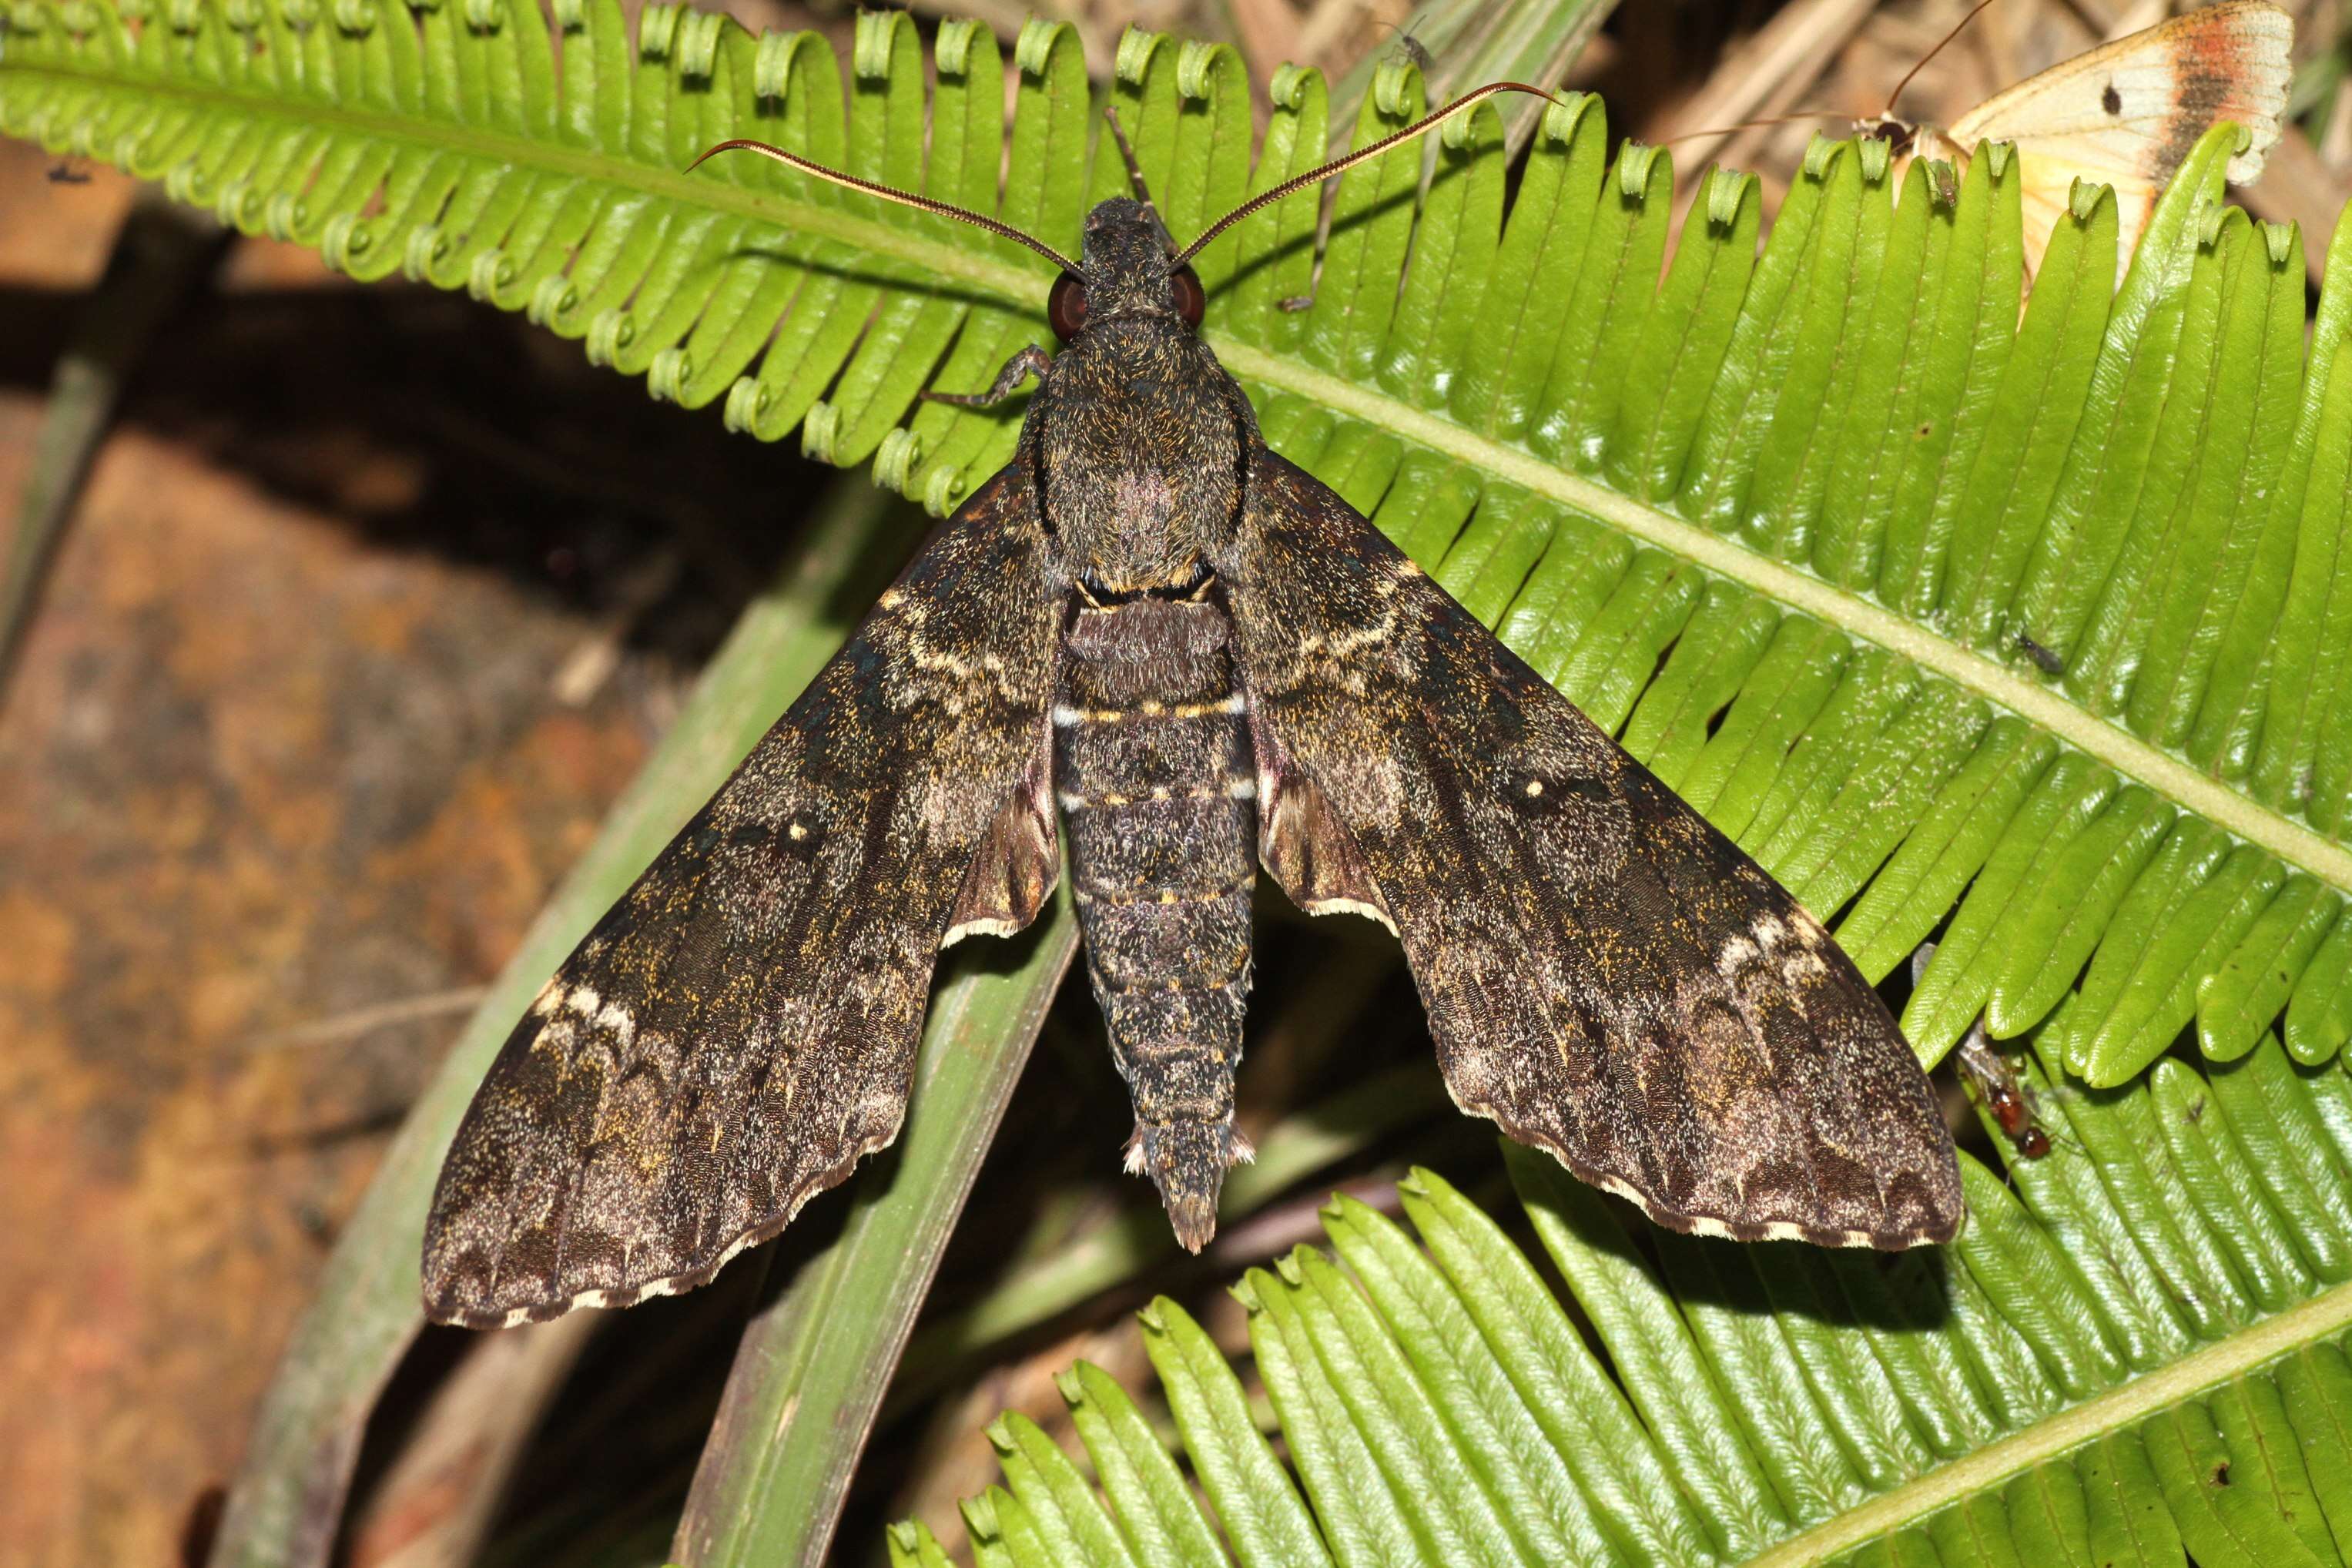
740,1028
1606,975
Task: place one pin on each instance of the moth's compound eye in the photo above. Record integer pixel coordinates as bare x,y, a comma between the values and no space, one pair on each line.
1065,306
1185,288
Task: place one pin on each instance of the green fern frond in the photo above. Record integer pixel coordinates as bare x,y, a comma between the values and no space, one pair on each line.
2032,623
2082,1377
1800,524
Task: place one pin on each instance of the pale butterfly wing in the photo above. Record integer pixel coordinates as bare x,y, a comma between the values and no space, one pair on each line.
2126,114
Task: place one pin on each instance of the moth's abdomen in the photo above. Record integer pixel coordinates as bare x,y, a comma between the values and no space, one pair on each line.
1158,790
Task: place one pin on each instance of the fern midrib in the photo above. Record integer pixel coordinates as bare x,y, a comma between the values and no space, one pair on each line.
1975,1474
2118,747
2258,824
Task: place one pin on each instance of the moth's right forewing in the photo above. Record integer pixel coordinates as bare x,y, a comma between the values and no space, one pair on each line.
740,1028
1606,974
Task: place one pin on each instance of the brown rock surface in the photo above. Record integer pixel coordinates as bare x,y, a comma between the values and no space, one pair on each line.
284,772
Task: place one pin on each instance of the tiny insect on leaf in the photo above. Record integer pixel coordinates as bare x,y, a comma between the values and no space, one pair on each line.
1152,651
2005,1100
2046,659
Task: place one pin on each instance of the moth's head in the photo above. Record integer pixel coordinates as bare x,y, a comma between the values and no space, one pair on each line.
1123,272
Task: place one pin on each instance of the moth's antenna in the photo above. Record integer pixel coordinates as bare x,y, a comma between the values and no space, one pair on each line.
1888,112
920,203
1341,166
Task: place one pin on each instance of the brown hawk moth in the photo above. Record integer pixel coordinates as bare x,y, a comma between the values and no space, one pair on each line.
1150,642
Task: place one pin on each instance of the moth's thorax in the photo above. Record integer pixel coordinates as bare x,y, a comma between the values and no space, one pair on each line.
1141,443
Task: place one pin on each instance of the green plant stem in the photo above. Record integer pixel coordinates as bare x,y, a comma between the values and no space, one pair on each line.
286,1502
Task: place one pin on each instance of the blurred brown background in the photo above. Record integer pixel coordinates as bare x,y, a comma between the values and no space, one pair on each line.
373,602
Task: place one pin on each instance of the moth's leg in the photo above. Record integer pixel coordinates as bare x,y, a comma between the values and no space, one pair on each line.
1030,361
